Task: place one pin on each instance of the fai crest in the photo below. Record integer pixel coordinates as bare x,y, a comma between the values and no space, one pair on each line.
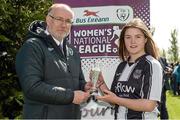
123,14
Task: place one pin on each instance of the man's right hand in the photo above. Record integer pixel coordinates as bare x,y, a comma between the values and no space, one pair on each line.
80,96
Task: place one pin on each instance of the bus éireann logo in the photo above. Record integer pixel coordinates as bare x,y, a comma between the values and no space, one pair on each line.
90,13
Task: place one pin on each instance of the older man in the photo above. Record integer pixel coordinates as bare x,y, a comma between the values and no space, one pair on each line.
49,69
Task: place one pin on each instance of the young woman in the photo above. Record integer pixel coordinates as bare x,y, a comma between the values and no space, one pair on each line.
137,83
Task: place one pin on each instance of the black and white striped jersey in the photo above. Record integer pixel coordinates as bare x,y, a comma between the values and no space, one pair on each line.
141,79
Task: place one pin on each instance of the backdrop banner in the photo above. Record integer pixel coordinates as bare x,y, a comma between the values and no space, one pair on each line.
95,32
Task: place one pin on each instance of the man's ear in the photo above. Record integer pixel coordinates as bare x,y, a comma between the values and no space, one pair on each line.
48,19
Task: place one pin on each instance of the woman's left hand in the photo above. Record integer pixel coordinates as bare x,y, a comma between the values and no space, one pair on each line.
107,97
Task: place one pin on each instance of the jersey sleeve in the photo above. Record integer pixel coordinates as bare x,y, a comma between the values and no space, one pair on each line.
153,81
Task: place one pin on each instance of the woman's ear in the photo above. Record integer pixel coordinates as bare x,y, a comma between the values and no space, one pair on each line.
145,40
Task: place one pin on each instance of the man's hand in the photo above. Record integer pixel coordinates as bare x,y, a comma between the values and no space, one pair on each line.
88,86
80,96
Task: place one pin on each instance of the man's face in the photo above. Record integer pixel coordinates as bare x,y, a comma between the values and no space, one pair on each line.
59,22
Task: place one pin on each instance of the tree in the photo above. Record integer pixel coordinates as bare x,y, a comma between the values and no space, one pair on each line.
15,17
163,53
174,48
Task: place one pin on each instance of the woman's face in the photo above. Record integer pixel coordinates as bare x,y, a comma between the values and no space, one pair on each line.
135,42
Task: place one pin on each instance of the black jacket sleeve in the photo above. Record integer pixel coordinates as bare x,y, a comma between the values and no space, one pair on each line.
29,68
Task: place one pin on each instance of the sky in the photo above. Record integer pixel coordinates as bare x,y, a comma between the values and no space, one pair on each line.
164,16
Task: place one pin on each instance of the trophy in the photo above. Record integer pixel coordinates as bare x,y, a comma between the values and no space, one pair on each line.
96,91
95,74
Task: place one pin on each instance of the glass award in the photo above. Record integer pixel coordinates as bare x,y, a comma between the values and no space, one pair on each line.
95,75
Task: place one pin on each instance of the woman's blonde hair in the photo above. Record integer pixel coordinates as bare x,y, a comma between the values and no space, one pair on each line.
150,46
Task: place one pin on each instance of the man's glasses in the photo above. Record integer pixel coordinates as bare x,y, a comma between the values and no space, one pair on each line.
62,20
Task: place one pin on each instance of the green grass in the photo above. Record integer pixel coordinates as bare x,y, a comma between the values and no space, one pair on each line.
173,105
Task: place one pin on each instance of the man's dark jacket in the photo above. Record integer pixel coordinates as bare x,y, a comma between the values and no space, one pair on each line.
47,77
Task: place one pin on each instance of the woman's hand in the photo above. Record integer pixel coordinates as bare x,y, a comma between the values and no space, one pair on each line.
108,97
100,80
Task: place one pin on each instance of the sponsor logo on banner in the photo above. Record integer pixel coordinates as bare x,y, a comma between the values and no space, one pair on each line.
90,13
96,30
123,14
96,40
103,15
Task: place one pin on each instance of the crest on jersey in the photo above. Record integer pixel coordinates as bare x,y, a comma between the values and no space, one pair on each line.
137,74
